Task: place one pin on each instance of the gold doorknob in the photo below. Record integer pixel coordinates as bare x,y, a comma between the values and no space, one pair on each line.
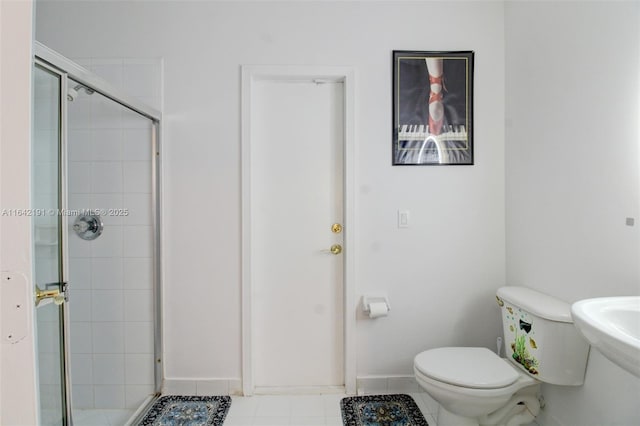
336,228
336,249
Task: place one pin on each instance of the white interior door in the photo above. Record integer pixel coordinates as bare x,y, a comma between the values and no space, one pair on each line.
296,196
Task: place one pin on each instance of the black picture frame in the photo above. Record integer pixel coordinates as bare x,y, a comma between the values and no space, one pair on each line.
432,108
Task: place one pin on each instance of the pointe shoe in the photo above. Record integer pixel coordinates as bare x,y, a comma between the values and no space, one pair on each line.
435,126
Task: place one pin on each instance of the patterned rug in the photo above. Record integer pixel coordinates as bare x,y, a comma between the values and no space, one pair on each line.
173,410
381,410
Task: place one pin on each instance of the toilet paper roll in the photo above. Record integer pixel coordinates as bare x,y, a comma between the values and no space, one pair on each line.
378,309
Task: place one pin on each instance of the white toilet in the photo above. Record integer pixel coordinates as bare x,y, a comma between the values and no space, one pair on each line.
474,386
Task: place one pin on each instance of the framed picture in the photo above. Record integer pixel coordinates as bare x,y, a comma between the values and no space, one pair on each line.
432,108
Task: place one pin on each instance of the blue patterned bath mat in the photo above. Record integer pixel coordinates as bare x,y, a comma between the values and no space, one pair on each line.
174,410
381,410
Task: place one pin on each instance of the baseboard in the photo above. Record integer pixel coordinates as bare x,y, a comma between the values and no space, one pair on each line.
202,387
299,390
547,419
367,385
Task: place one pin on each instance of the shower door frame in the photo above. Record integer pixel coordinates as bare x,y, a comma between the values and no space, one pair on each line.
67,69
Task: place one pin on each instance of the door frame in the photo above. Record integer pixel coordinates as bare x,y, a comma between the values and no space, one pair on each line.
345,75
63,224
18,382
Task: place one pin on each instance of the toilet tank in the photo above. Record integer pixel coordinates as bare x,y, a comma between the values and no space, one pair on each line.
540,338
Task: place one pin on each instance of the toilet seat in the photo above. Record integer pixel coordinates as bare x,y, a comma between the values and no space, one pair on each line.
475,368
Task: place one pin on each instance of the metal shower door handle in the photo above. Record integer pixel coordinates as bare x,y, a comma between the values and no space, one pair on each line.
58,294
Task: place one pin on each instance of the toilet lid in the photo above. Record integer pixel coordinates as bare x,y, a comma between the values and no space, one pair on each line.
477,368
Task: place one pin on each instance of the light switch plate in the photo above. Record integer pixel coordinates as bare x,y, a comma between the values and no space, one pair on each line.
403,218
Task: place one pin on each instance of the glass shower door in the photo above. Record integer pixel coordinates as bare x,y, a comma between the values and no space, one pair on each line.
48,247
95,226
111,274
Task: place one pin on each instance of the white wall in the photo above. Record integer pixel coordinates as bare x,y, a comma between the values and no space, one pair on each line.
573,177
572,174
18,399
440,274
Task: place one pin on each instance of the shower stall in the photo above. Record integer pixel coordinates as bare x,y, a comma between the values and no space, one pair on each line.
96,227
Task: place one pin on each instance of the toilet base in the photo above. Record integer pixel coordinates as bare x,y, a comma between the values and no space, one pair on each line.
521,409
447,418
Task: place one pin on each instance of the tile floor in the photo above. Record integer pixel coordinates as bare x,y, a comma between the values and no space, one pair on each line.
302,410
265,410
98,417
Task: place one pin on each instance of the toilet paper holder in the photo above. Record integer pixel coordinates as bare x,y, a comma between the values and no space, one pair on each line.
368,300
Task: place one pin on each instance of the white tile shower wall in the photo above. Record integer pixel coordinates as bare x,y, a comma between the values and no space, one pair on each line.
111,277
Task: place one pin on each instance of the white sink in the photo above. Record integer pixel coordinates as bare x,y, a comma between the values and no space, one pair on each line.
612,325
